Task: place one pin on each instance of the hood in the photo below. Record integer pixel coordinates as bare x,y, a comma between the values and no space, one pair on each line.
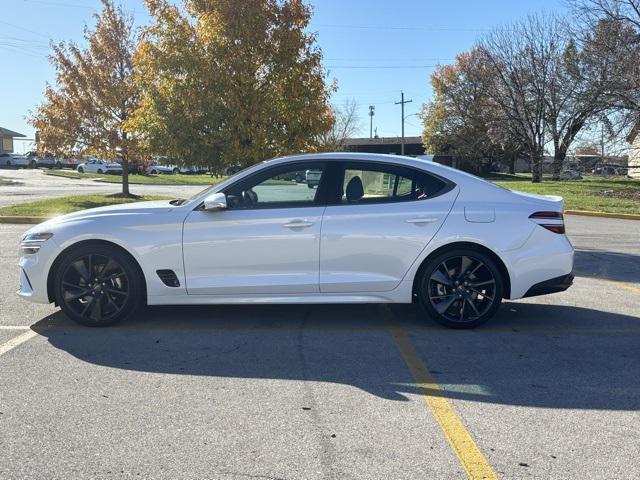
134,208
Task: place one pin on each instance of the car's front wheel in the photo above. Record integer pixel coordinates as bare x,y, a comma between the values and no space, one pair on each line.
80,170
97,285
100,171
461,288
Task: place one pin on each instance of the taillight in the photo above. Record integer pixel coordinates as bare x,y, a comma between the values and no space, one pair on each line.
543,219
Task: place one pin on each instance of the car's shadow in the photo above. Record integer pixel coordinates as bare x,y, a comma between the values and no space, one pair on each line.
622,267
548,356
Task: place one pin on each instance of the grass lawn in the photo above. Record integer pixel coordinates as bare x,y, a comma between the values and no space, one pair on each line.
58,206
136,179
611,195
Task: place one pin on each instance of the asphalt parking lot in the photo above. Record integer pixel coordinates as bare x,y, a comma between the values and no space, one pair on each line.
28,185
549,389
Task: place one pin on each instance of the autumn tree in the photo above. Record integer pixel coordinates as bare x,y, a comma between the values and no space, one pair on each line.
227,82
455,120
88,108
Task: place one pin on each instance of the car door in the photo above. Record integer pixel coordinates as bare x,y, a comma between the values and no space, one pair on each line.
385,218
267,240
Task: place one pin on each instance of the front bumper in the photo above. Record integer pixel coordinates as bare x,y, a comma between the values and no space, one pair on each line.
553,285
34,271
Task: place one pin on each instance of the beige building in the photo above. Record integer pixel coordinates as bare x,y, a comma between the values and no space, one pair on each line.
6,140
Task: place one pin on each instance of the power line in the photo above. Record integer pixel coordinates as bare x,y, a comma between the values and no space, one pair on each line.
389,27
380,66
60,4
20,27
381,59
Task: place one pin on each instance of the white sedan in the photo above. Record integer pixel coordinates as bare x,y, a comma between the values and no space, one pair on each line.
95,165
16,160
378,228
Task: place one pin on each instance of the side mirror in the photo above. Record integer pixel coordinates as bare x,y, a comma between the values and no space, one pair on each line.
215,201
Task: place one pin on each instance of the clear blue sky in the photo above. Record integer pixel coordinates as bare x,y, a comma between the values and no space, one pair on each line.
358,37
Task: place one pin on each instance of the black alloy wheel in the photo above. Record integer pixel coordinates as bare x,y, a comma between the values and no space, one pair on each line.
97,286
461,288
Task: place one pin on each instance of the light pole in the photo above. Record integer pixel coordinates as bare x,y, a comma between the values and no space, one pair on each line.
372,112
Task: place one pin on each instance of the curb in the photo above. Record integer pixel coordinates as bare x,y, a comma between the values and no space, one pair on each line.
586,213
16,219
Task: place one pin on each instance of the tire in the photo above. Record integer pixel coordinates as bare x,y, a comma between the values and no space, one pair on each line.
33,164
80,170
110,281
154,172
460,305
310,185
100,172
8,163
58,165
299,178
175,171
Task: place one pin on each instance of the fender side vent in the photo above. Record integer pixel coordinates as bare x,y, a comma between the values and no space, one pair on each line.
168,277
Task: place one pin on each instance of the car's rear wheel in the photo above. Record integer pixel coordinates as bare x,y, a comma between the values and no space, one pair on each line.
461,288
100,171
8,163
175,171
154,172
97,285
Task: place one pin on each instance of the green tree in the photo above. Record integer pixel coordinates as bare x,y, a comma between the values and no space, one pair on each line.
227,82
88,108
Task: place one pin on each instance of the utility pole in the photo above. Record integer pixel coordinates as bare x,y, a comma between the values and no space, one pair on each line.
401,103
372,112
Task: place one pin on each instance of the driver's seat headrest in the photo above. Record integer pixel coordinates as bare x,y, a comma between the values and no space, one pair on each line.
355,189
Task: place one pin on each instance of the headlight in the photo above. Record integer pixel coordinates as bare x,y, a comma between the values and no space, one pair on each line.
31,243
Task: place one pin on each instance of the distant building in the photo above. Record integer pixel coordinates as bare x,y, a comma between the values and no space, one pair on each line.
634,152
392,145
7,139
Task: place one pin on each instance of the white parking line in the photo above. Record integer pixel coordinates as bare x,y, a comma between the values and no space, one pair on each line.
14,327
14,342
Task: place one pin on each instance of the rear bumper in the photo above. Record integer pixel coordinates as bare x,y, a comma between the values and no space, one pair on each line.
553,285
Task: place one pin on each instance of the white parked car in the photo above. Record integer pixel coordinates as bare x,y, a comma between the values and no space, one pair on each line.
95,165
157,168
378,228
16,160
312,177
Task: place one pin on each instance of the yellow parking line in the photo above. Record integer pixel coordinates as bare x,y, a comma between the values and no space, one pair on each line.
461,441
14,342
626,286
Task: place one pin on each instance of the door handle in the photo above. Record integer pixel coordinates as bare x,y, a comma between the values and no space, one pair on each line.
298,224
421,221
